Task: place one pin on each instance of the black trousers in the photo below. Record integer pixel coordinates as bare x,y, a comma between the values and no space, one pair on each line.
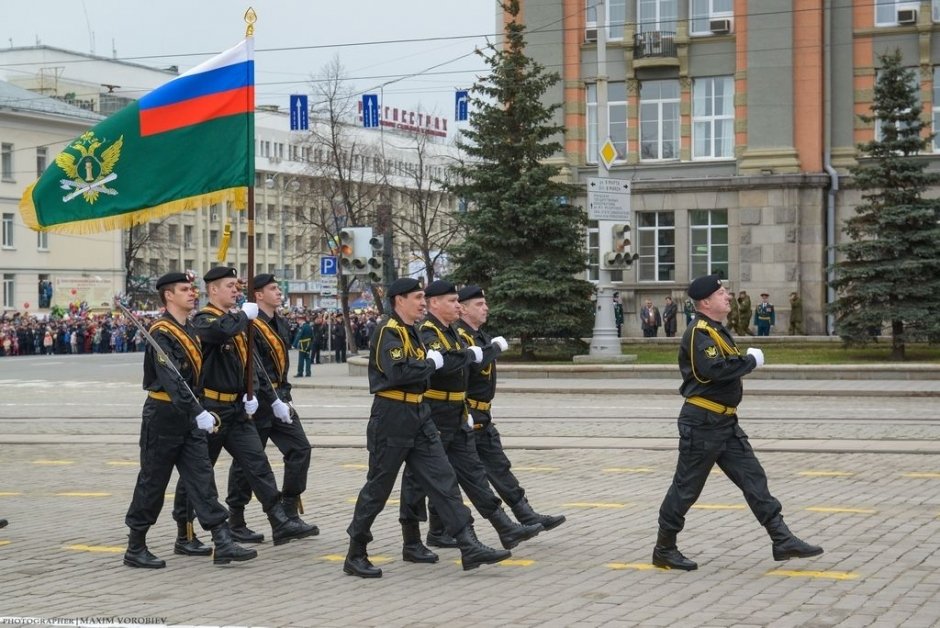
292,442
161,449
402,433
497,465
699,450
240,439
459,444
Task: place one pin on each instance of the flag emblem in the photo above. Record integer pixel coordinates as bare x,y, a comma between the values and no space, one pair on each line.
87,172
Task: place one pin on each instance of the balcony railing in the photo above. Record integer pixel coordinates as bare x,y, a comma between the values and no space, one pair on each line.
654,44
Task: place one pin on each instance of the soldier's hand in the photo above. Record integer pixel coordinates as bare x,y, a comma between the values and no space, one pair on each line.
251,404
501,342
436,357
281,411
758,355
477,354
205,421
250,309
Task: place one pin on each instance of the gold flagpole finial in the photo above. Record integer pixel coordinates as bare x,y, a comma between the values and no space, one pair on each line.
250,18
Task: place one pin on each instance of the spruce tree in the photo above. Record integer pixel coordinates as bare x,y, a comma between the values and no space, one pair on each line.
890,267
523,242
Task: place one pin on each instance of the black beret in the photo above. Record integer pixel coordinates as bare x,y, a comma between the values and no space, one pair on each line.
764,294
403,286
220,272
439,287
470,292
260,281
704,287
169,278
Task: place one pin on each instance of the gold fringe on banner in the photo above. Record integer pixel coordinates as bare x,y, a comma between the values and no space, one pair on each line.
223,244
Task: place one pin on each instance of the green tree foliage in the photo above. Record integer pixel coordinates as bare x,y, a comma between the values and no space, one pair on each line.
523,241
889,268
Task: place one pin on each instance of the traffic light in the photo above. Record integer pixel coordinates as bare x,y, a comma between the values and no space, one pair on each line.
375,262
353,242
622,255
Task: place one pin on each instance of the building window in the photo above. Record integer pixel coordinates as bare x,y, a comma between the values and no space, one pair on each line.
935,10
713,118
616,120
271,242
657,15
42,240
886,11
7,231
243,270
188,236
42,160
656,245
702,12
213,238
9,285
616,17
659,120
154,267
6,161
243,240
173,234
708,241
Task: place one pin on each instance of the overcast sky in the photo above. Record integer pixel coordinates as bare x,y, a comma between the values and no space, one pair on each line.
185,32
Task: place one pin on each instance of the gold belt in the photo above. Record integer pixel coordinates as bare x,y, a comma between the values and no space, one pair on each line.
162,396
711,406
400,395
219,396
443,395
482,406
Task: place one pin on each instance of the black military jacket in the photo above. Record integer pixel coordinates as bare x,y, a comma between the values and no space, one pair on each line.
397,358
452,377
481,385
272,342
710,363
180,343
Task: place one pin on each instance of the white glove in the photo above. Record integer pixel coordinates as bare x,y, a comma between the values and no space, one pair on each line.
758,355
281,411
470,421
501,342
436,357
251,404
477,354
205,421
250,309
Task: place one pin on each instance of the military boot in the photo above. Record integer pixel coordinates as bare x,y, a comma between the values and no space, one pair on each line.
227,550
413,550
473,553
667,555
137,554
357,562
290,504
240,530
186,542
283,530
524,513
511,533
437,535
786,544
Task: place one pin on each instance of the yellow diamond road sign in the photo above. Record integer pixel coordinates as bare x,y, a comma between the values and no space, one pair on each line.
608,153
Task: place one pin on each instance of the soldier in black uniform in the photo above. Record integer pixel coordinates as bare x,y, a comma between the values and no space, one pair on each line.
712,368
272,343
225,356
446,397
400,430
173,433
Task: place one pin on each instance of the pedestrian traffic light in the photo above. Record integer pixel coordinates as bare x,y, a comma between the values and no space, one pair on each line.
621,255
375,261
353,244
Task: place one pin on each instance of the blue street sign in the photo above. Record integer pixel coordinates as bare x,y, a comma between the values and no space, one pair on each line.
461,106
328,265
298,113
370,110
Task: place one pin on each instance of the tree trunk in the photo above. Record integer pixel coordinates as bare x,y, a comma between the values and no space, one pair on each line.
897,341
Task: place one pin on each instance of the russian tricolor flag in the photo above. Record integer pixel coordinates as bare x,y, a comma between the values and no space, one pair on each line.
222,86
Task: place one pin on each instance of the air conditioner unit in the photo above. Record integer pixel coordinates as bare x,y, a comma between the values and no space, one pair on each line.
720,27
590,34
907,16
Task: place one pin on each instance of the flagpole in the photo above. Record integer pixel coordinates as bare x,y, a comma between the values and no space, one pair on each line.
250,18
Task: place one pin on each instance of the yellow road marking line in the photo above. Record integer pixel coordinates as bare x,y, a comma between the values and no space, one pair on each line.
536,469
858,511
628,470
516,562
2,543
375,560
719,506
830,575
826,474
53,462
354,466
123,463
920,475
107,549
10,494
81,494
637,566
594,505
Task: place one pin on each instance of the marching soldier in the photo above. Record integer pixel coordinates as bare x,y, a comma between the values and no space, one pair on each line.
272,340
225,356
446,398
764,315
173,433
712,367
400,430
